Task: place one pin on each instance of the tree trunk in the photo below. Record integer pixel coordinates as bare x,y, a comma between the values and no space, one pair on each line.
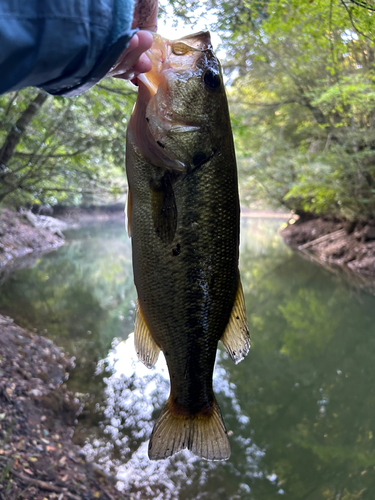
15,134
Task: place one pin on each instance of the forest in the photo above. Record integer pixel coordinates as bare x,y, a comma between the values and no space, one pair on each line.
300,83
75,420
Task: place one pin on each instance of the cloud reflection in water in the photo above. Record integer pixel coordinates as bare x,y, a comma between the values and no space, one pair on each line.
134,397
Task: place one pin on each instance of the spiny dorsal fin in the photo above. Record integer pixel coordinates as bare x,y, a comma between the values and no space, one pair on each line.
145,346
236,338
128,212
202,434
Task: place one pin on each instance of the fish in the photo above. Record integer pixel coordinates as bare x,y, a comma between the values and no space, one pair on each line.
183,217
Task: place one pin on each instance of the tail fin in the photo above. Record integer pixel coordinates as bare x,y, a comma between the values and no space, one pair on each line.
202,434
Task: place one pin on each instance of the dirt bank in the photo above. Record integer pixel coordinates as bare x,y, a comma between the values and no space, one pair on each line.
18,237
24,237
37,416
351,246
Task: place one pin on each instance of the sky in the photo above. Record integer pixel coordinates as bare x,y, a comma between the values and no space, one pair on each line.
173,28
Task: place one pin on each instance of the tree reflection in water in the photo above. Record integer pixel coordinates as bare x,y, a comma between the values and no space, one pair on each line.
300,408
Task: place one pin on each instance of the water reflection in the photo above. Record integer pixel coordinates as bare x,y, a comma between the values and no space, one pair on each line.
300,408
134,397
81,296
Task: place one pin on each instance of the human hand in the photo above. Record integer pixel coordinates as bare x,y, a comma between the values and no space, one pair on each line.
134,60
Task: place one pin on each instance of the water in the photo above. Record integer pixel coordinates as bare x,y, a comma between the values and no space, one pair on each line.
300,409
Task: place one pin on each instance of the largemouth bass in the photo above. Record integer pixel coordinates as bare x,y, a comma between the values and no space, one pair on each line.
183,218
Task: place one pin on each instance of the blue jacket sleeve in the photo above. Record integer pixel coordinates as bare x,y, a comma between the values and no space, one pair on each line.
62,46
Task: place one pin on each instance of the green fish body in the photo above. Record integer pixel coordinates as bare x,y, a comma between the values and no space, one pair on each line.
183,217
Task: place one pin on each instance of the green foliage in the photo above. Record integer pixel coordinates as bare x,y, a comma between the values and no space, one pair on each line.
302,92
304,107
72,150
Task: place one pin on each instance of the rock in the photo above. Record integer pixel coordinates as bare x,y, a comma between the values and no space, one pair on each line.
36,392
5,320
56,226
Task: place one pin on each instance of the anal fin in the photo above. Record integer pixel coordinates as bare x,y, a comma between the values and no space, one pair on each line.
145,346
236,338
203,434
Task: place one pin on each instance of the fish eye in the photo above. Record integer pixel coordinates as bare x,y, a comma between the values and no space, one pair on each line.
212,79
180,49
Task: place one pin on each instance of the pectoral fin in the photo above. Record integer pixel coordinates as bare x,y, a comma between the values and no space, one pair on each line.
236,338
164,209
145,346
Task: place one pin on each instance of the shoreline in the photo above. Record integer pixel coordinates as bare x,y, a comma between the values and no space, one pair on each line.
24,237
19,238
335,243
325,240
37,417
38,414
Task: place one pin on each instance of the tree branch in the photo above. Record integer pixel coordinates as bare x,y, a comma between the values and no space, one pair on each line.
16,132
362,4
10,103
51,131
352,21
44,485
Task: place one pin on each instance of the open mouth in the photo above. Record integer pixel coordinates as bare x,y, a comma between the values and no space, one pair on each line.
158,56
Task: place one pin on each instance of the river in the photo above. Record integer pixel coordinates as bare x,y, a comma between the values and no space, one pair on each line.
300,409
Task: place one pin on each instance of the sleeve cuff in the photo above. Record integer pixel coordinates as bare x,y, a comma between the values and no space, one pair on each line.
103,65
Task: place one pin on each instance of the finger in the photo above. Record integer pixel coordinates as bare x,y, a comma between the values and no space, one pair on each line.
143,65
134,61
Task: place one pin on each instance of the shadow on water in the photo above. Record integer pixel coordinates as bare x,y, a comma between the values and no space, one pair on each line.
300,409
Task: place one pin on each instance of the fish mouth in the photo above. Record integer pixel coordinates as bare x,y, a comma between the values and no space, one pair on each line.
157,55
178,55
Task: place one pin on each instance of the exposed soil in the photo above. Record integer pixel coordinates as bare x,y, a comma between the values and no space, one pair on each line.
349,245
19,238
37,414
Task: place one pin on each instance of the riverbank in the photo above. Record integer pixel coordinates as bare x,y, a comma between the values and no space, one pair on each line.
37,415
19,237
24,236
349,246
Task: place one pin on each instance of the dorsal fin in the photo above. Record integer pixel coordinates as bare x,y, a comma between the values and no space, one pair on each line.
236,338
145,346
